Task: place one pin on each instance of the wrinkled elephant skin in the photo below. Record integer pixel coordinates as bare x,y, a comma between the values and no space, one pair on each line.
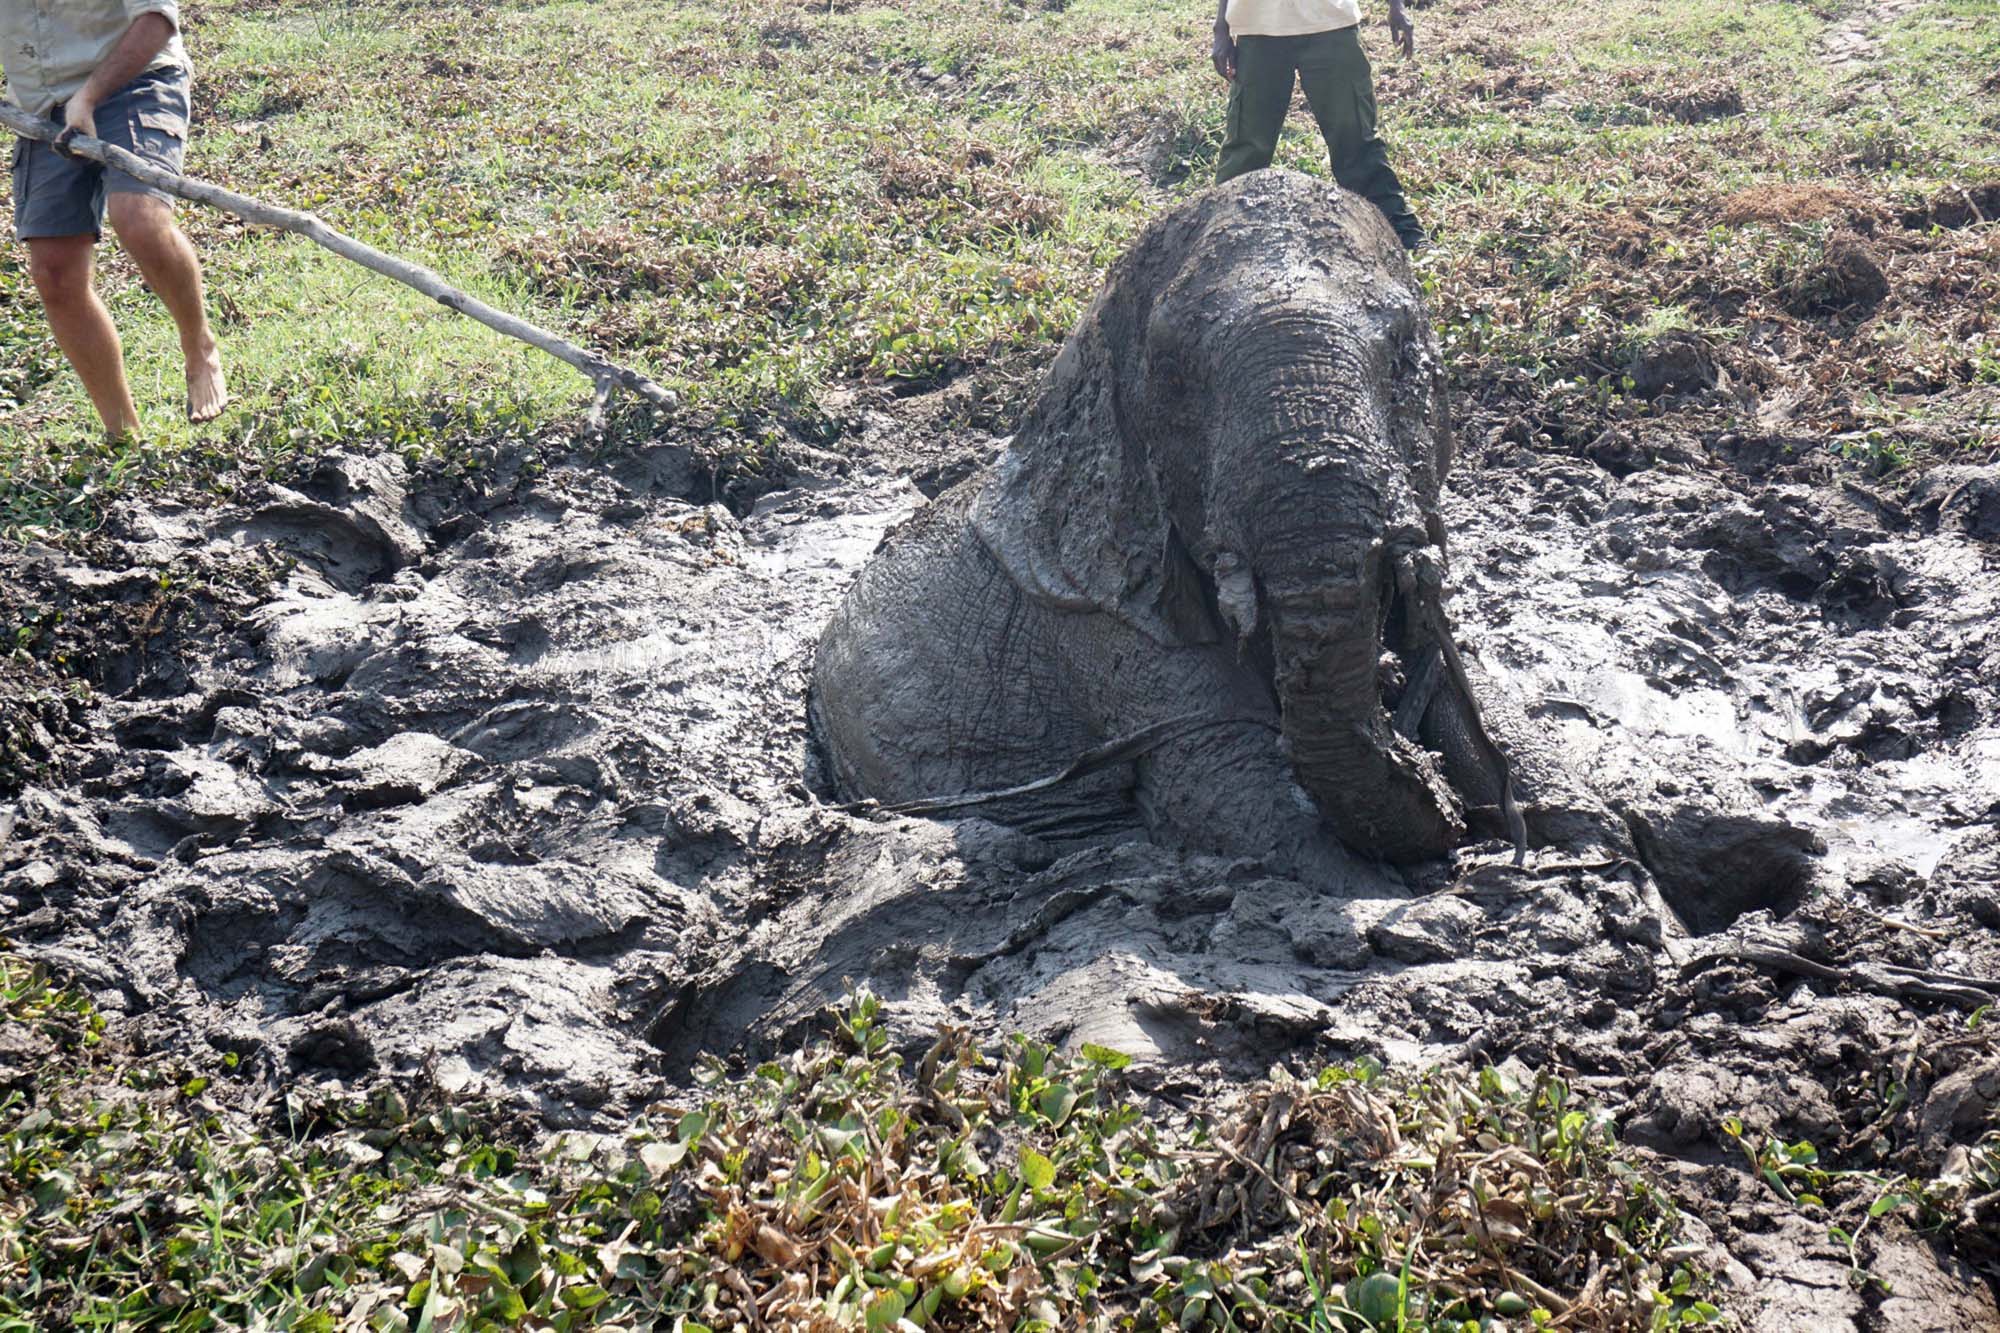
1217,533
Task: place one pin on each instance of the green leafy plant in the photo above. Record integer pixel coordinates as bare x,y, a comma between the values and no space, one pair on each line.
1021,1187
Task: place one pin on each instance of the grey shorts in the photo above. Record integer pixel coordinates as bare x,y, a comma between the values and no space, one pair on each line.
63,196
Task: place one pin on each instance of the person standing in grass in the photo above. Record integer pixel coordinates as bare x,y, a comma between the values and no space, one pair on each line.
1263,46
114,70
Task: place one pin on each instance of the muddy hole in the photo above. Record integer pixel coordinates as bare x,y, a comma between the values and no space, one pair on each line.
1713,869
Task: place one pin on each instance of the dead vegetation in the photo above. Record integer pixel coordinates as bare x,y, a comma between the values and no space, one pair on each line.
1795,204
1691,106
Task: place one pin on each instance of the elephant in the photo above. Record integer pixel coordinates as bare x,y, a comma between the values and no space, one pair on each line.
1201,591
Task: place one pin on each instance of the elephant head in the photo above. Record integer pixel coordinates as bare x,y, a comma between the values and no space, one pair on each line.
1244,439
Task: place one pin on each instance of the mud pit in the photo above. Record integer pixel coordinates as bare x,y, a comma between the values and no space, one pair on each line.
519,788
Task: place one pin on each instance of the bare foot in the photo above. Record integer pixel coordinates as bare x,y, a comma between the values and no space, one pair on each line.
208,392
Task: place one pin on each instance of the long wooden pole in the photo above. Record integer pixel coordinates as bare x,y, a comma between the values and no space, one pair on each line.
605,374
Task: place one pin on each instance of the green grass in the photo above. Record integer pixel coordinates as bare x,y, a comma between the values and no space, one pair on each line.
1012,1188
758,205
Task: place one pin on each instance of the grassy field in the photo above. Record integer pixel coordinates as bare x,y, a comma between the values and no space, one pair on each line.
759,204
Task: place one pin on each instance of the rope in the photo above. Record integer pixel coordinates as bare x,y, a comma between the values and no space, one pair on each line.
1111,753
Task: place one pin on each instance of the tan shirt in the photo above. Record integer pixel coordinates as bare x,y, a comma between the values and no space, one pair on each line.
51,47
1290,18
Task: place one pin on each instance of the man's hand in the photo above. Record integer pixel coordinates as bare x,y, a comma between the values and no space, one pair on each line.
1223,52
80,116
1401,31
147,36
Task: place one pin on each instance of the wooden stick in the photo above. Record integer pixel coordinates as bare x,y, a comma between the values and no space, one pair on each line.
606,375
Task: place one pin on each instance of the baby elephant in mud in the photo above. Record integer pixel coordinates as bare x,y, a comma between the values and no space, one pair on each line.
1202,588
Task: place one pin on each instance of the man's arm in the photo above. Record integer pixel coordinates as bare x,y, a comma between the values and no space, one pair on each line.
1223,51
146,38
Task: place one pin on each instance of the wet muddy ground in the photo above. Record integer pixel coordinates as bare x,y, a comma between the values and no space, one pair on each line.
508,785
512,783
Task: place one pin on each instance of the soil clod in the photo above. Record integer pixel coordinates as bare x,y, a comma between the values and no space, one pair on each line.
1714,868
1847,280
1675,362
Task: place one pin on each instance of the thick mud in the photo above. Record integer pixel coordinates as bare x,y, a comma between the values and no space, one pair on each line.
516,788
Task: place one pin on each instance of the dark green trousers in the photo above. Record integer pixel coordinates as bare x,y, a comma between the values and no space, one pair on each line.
1340,88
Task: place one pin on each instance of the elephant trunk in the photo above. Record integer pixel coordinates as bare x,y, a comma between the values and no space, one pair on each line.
1382,792
1324,547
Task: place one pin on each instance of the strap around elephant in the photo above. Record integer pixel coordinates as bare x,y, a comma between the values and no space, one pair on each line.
1119,750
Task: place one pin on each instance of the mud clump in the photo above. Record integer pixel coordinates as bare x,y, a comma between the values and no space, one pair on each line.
1847,280
1964,206
1714,868
1967,879
1673,363
340,1047
1962,499
1630,238
41,716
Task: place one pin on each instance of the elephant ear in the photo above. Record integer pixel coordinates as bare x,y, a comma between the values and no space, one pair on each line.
1074,511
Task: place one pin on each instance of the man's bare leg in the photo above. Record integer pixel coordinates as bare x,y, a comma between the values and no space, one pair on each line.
145,225
61,269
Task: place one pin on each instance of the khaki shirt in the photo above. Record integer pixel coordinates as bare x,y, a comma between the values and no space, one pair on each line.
51,47
1290,18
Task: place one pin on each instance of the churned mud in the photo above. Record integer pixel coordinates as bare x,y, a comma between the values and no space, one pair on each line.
513,785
